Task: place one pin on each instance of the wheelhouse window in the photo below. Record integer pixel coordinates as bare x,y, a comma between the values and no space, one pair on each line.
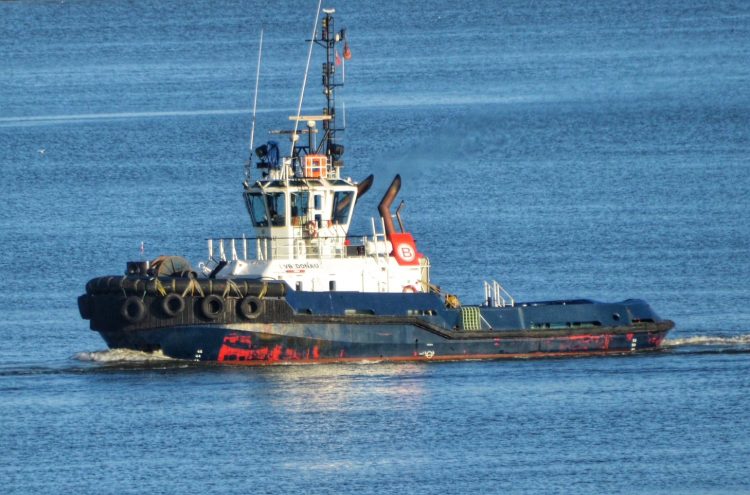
256,206
342,205
276,208
300,202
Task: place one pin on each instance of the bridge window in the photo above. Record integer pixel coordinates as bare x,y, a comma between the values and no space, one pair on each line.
342,205
300,202
276,208
257,209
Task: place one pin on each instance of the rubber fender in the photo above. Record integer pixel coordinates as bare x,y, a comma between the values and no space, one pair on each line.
85,306
251,307
133,310
172,304
212,306
137,284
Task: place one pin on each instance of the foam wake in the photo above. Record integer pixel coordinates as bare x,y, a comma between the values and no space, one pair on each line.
83,117
708,340
121,356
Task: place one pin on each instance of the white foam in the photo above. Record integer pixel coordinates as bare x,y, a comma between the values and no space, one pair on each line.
735,340
58,119
121,355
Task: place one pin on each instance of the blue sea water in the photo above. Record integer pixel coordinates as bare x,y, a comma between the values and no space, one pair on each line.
567,149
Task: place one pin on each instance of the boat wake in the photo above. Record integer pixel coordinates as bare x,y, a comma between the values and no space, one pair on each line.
709,344
86,117
113,359
121,356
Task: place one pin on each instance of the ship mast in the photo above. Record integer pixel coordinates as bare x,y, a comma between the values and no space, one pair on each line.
300,206
328,40
326,149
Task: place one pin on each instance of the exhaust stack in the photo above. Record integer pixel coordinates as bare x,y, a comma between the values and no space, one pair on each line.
365,185
385,205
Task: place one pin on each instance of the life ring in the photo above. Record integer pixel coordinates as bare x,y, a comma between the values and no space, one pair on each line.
133,310
212,306
409,288
251,307
311,228
172,304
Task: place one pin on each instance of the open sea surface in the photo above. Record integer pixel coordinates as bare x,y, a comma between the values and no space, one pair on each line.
566,149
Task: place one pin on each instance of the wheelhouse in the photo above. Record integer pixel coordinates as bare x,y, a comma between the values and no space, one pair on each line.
301,208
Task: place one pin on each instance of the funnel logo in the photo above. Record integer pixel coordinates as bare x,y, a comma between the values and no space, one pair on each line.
404,249
406,252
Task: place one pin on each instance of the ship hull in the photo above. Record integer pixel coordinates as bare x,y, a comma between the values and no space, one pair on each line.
253,322
262,344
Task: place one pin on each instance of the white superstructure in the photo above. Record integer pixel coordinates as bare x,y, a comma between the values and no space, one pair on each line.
301,209
302,226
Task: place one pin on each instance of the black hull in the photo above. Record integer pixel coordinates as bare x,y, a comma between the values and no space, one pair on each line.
267,323
255,344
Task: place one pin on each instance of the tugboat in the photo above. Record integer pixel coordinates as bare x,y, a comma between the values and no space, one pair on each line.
304,291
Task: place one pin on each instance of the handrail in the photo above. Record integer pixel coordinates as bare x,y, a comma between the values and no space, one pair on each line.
309,247
348,236
323,247
495,295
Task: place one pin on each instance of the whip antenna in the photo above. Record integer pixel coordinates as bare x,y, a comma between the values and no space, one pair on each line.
304,81
255,107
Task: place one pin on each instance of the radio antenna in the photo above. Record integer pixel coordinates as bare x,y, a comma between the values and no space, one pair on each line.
304,81
255,107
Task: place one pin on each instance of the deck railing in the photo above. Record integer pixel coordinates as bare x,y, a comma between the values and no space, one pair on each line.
266,248
496,296
301,247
